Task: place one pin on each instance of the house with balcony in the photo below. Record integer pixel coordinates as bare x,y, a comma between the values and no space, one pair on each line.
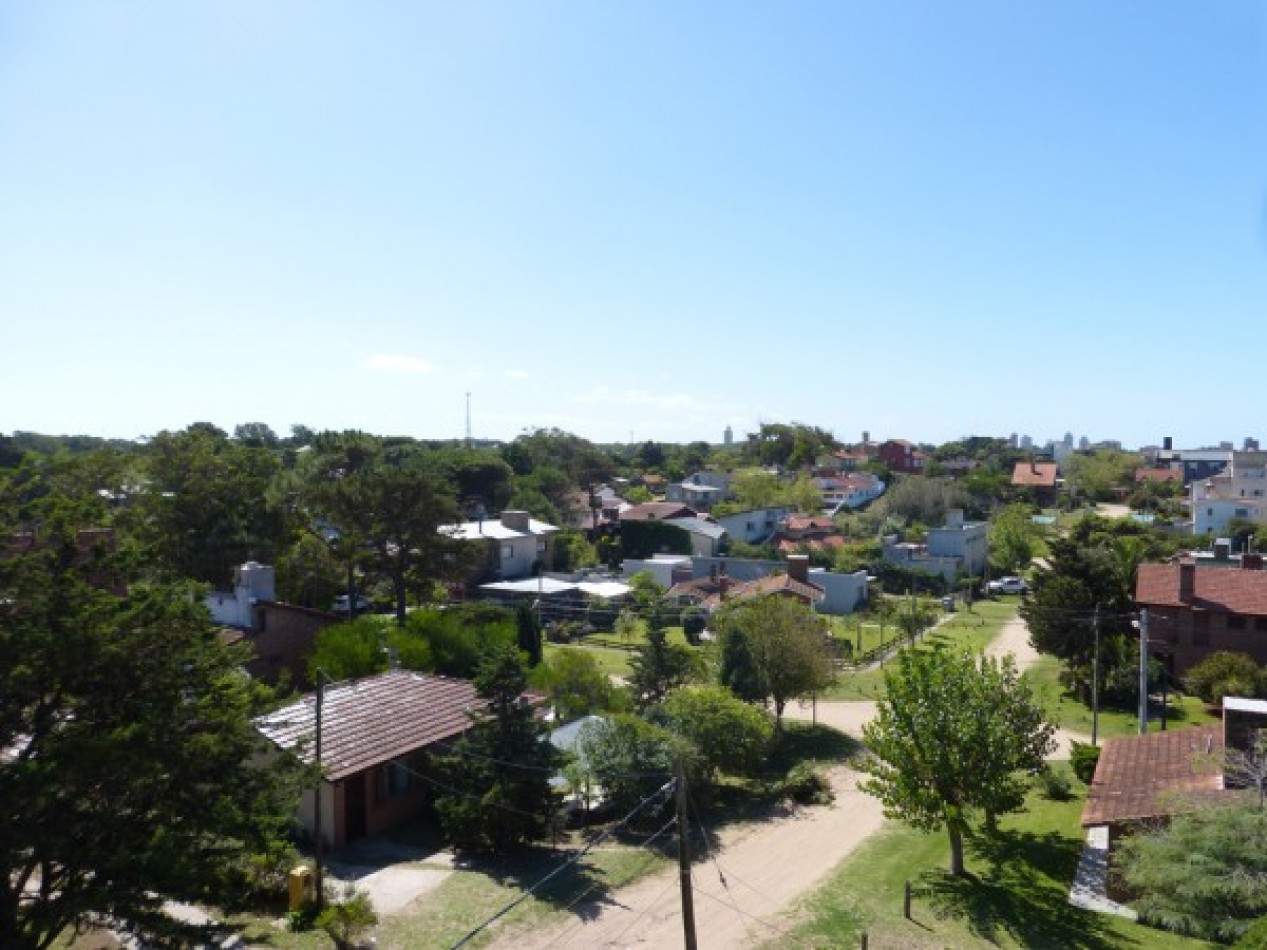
1238,491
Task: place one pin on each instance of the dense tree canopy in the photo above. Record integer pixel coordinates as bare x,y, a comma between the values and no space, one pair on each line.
130,772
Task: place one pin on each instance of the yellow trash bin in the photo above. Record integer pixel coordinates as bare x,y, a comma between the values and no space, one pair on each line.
300,886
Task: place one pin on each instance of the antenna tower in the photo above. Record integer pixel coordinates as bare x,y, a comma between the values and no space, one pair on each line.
468,420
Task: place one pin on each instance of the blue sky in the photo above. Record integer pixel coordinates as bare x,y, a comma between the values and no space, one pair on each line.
635,220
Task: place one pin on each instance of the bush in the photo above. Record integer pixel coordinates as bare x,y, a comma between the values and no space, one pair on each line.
347,921
693,622
302,918
1083,758
1255,938
1055,784
806,785
1225,674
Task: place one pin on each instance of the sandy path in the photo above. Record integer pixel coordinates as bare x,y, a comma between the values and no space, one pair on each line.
1014,639
765,866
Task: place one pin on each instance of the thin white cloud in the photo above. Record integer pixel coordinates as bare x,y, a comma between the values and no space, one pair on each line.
397,363
518,374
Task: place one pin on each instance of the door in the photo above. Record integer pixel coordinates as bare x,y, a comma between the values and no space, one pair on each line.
354,806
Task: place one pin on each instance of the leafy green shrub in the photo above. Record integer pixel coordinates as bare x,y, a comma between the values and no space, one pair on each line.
1055,784
807,785
302,918
1083,757
348,920
693,622
1255,938
1225,674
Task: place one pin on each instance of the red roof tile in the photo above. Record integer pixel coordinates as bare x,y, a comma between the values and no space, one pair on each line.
1225,590
1035,474
373,720
1155,775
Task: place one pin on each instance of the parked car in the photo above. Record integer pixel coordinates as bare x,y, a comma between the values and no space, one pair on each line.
1007,585
341,604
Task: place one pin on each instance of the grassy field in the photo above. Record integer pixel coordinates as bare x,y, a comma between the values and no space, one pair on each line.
964,629
1015,896
1071,713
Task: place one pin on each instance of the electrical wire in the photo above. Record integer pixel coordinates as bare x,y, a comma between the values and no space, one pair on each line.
663,789
646,845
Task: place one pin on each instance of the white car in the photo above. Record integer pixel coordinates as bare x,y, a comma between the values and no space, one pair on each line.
1007,585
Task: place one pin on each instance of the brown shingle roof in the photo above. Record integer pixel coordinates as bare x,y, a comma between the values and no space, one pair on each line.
657,511
373,720
1154,776
1035,474
765,586
1226,591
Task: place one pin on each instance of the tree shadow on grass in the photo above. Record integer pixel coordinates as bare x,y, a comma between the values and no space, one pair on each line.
806,742
580,887
1024,893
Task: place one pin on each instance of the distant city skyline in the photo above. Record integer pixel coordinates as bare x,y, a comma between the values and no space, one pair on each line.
638,221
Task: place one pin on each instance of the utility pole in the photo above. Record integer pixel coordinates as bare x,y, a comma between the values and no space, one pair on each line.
319,870
1095,679
1143,671
684,857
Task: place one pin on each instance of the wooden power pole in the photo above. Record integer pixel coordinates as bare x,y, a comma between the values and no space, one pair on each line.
684,858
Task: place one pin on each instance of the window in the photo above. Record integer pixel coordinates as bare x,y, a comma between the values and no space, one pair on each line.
1260,624
399,777
508,551
1200,630
541,546
1235,622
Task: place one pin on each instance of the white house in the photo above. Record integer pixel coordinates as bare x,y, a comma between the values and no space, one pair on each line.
517,543
1239,491
755,526
965,540
252,583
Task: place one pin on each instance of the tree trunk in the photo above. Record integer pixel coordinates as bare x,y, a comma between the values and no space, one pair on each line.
956,848
778,714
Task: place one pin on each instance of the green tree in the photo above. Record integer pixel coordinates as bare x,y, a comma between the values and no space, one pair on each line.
1203,875
528,634
458,637
1095,475
628,757
207,506
1226,674
576,684
308,574
497,792
131,773
385,511
659,667
788,645
728,734
1014,539
347,920
954,735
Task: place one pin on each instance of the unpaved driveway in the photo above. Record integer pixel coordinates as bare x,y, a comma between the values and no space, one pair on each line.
766,867
1014,639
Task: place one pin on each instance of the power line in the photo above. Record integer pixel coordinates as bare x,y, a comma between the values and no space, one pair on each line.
564,866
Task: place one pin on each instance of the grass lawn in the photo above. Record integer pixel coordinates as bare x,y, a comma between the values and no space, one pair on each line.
1016,894
613,662
964,629
1073,714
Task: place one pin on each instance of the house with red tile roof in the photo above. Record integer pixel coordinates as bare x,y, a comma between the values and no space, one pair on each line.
377,736
1040,478
1195,611
795,583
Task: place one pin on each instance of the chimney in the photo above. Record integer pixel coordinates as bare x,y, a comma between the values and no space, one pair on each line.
798,567
1252,562
515,520
1187,581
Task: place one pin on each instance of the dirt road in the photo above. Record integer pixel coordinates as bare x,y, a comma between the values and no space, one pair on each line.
767,866
1014,639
